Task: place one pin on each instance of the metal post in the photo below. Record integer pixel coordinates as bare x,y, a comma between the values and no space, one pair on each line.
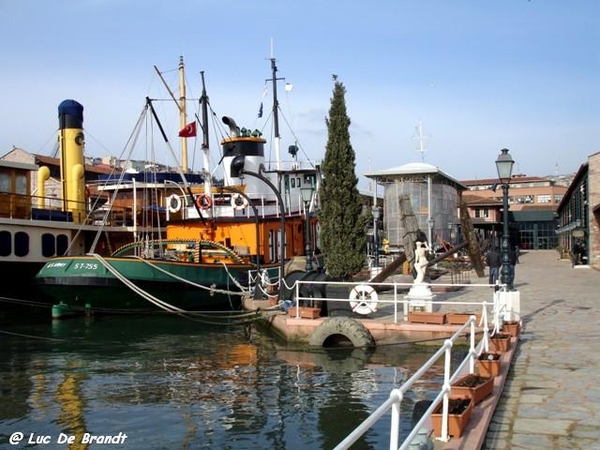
376,214
504,165
505,256
309,266
306,193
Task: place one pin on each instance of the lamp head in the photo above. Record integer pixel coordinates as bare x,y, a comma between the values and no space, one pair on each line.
504,165
306,193
376,210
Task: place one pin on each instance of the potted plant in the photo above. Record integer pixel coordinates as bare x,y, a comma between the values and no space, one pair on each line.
460,318
459,414
427,317
476,387
512,327
304,312
488,364
500,342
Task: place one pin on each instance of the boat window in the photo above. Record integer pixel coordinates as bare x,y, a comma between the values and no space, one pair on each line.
48,245
5,182
21,184
5,243
298,181
62,243
21,243
293,182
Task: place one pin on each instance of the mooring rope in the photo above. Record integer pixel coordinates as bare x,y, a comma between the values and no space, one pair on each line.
31,336
147,296
191,283
20,301
246,316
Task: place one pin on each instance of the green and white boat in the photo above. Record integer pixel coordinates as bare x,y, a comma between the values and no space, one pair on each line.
224,239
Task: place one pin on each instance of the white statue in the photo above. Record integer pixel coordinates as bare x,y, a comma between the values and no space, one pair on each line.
421,261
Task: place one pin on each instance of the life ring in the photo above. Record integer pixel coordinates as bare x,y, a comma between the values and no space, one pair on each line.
238,201
363,299
174,203
335,330
203,201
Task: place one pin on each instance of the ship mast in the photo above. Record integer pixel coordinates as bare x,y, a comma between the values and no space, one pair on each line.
205,148
182,115
182,109
275,114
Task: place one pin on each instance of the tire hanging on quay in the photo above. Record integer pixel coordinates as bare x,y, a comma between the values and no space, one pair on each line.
341,331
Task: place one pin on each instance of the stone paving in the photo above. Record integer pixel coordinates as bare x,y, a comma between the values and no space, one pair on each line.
551,399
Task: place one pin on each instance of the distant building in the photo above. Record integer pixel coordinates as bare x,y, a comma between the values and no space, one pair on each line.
53,188
434,196
533,202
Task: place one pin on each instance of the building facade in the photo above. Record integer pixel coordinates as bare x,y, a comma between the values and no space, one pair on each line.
532,209
579,215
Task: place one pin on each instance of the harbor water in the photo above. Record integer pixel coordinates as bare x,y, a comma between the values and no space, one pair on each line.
172,383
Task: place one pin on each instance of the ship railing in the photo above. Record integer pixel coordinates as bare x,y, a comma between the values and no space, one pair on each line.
267,205
33,207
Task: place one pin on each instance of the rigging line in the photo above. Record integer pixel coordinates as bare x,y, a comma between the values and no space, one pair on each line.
185,182
309,160
131,144
114,196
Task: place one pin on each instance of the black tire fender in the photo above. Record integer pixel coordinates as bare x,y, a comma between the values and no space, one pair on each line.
335,330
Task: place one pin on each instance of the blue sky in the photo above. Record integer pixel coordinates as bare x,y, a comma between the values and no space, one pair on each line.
479,76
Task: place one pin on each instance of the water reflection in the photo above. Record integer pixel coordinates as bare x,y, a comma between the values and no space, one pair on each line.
169,383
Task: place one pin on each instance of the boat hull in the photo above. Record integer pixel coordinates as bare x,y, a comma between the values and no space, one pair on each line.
88,283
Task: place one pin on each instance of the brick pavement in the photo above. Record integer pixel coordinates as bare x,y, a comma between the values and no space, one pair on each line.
551,399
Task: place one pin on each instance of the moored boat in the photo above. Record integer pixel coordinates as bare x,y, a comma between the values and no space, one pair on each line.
224,238
46,209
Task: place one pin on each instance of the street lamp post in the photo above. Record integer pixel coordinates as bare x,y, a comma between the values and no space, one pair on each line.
376,210
307,193
504,165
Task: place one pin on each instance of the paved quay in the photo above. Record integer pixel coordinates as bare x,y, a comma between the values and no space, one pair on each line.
551,399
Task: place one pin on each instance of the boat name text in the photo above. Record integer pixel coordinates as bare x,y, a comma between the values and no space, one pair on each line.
85,266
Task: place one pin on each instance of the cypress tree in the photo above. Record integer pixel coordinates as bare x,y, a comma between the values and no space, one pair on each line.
342,223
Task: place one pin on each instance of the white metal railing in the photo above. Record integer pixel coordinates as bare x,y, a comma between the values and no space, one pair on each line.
397,395
397,300
265,279
367,296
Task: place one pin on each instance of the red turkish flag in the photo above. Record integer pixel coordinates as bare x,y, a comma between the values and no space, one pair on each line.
188,131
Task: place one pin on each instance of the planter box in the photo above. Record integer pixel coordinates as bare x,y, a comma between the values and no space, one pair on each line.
488,364
461,318
426,317
512,328
457,421
305,312
500,343
476,387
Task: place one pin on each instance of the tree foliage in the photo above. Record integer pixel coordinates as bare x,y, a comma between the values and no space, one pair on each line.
343,237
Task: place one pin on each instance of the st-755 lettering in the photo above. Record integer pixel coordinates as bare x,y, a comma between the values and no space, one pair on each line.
85,266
